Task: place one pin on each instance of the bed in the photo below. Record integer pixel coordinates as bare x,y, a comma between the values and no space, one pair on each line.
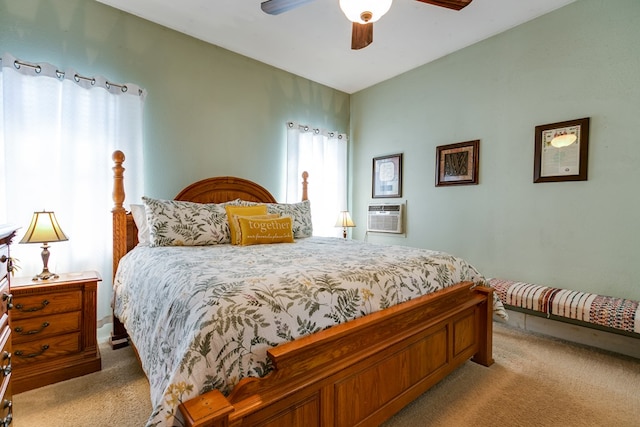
345,351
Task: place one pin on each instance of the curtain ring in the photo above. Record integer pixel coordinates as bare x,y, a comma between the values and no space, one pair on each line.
93,82
316,131
290,125
306,128
76,77
107,84
331,134
60,74
16,64
124,88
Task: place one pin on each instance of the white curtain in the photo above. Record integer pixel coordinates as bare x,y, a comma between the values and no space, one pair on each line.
323,154
57,133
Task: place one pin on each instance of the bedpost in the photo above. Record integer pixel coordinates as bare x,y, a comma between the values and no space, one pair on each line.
119,218
305,175
484,356
118,211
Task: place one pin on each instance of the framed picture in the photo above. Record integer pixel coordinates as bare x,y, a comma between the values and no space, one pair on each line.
561,151
387,176
457,164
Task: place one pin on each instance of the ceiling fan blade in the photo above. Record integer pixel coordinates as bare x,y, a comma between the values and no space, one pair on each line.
276,7
450,4
361,35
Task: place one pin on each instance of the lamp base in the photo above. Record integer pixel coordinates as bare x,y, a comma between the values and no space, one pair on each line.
45,275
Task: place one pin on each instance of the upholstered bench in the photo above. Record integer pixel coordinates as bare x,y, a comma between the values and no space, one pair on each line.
616,315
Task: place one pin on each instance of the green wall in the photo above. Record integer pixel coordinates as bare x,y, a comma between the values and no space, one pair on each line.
208,112
580,61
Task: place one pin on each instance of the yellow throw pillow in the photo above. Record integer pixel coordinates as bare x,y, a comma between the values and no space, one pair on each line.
261,231
236,224
241,211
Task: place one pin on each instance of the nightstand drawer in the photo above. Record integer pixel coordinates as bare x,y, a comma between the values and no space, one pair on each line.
28,306
5,379
5,353
45,326
46,348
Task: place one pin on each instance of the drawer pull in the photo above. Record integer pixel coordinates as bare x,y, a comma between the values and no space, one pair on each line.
6,421
3,259
9,298
20,331
5,369
42,306
20,353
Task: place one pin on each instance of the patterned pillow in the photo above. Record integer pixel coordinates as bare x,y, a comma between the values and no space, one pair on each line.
301,214
177,223
265,231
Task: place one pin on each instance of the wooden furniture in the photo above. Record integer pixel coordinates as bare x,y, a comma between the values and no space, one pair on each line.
357,373
53,325
6,410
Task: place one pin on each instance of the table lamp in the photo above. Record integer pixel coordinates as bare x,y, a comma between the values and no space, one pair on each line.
344,221
44,228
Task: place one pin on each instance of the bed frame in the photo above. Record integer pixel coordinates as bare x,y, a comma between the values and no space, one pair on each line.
358,373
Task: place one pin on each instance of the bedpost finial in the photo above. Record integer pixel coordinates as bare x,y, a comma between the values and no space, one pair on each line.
118,156
118,180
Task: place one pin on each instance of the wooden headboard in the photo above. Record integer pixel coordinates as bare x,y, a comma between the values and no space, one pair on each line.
210,190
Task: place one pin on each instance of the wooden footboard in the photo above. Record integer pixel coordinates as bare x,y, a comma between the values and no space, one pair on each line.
362,372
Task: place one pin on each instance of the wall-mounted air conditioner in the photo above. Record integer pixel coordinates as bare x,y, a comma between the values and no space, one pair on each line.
385,217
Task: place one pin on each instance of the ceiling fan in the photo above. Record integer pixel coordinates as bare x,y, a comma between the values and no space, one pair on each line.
362,14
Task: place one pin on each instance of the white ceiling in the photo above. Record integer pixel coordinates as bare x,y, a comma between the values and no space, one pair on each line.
314,40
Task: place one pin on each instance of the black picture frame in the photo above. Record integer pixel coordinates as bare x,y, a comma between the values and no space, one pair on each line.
556,164
458,164
386,177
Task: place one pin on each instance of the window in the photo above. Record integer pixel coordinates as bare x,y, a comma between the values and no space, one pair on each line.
324,155
57,133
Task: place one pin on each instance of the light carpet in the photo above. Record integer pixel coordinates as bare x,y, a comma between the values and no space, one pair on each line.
535,381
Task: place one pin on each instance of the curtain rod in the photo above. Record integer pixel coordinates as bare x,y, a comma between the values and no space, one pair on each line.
317,131
77,77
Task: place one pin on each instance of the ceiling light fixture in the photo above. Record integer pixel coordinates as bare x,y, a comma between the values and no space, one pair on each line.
364,11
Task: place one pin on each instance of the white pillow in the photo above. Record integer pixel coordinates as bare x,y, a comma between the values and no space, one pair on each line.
140,219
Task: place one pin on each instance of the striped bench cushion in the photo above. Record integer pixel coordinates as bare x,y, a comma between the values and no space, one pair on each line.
609,312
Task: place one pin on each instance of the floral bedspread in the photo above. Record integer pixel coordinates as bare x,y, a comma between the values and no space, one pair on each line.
202,318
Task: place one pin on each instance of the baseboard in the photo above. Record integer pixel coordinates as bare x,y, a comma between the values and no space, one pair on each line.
621,344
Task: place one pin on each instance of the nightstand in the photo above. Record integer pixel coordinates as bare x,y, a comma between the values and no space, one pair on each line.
53,324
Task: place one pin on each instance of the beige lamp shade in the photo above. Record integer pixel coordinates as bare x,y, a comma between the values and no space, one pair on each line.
44,228
344,220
